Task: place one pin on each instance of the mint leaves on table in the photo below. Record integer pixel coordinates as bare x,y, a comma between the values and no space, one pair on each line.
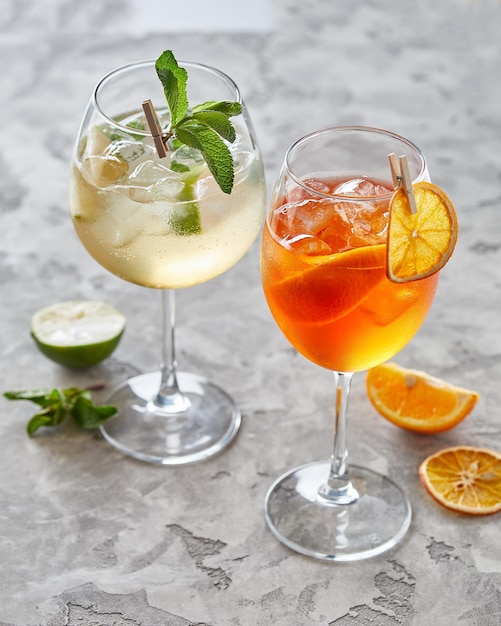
204,126
57,404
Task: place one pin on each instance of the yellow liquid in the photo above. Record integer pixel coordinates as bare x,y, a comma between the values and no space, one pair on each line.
134,240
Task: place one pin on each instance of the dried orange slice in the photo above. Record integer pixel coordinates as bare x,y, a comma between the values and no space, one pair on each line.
416,401
421,243
464,479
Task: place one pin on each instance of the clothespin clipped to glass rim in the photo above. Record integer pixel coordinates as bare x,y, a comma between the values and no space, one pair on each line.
401,176
155,128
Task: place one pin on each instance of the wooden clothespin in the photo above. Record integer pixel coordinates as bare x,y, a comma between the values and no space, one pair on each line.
401,176
155,128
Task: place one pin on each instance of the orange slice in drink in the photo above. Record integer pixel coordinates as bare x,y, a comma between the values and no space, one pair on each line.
330,287
465,479
417,401
421,243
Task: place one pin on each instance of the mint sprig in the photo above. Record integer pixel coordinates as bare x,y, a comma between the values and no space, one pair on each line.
57,404
205,126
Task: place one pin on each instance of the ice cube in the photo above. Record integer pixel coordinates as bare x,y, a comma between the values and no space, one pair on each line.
242,159
188,162
126,149
317,185
207,186
139,194
103,171
126,220
309,216
297,193
387,310
187,157
349,212
167,188
307,244
360,187
371,226
117,224
149,172
358,225
162,190
152,181
97,142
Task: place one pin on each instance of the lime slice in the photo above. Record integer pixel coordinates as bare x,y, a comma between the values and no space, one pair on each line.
186,217
78,333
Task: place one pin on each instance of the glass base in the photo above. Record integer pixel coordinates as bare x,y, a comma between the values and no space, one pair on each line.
185,433
307,523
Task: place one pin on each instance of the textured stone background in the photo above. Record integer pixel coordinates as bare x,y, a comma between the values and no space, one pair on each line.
90,537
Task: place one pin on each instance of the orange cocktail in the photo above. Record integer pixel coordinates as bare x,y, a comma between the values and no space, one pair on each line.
324,265
324,274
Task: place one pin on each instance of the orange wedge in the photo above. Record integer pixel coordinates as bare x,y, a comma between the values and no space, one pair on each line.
325,288
417,401
464,479
421,243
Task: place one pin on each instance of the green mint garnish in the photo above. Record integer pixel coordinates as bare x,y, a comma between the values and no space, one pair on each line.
57,404
205,126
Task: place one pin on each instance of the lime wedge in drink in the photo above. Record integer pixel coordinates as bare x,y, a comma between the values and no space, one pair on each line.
185,219
77,333
189,163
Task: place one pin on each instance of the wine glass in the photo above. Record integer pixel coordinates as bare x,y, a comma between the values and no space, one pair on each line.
164,223
323,271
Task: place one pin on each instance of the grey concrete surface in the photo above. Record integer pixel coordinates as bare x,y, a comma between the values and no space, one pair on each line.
88,536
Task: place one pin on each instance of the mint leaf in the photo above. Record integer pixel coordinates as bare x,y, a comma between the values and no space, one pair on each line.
218,122
38,396
224,106
87,415
57,404
215,152
173,79
205,127
52,413
39,420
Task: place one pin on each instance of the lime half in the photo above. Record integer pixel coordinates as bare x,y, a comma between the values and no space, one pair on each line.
78,333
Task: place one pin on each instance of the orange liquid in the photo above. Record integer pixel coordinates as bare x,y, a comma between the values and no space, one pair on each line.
326,286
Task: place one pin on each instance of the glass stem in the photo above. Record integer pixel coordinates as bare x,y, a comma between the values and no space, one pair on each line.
339,489
169,397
